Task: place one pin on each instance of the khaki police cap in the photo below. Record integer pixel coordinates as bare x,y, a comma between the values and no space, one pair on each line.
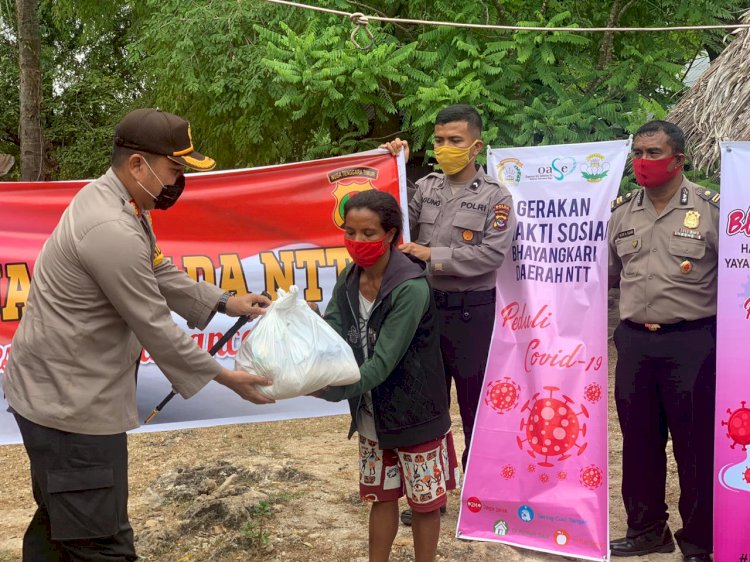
159,132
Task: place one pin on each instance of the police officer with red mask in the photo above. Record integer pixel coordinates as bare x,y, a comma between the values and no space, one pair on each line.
462,222
663,252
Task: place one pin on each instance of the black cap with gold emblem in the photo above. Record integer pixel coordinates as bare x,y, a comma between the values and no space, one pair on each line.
159,132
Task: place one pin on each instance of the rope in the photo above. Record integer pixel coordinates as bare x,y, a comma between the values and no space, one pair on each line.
504,27
361,20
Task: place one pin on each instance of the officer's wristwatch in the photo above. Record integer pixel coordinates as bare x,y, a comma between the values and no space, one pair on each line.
222,306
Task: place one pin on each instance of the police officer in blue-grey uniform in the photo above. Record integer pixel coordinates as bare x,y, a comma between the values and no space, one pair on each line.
663,254
463,224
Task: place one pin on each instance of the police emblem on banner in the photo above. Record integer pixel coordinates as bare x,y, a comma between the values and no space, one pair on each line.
349,182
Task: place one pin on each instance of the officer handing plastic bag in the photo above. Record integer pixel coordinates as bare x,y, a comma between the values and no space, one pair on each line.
297,350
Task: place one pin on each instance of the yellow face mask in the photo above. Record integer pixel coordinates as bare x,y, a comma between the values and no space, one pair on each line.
453,159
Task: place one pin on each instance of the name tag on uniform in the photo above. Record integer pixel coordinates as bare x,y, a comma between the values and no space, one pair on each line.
625,233
693,235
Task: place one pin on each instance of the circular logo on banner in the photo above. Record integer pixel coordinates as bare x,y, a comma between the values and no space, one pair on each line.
525,513
474,504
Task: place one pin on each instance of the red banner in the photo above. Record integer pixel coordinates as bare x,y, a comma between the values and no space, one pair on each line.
244,230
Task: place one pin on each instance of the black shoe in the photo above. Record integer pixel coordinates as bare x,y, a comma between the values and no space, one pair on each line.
644,544
406,515
697,557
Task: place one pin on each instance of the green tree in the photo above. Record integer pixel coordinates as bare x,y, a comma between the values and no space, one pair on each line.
270,83
87,83
9,84
263,83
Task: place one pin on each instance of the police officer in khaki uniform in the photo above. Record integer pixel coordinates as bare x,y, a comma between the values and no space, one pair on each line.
101,290
663,252
463,224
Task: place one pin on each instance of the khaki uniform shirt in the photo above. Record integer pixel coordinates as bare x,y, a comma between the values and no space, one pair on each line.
101,289
666,264
469,234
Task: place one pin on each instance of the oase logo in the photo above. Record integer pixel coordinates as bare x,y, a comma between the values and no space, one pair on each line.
558,169
562,167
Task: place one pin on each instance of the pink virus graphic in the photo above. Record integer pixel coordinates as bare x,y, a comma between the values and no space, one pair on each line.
552,428
738,426
531,468
502,395
544,478
508,471
562,475
593,392
746,475
591,477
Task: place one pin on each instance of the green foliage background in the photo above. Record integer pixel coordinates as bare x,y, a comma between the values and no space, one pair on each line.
263,83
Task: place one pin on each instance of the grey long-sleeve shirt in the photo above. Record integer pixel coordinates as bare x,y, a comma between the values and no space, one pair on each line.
469,233
101,289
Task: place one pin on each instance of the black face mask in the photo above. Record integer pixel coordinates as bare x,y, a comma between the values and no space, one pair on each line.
169,194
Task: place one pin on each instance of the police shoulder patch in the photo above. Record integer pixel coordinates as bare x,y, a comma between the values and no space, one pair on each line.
708,195
622,199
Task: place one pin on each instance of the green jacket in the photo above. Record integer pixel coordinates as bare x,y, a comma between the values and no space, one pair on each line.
404,370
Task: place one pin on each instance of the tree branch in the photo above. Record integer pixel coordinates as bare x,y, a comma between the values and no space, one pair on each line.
501,13
607,48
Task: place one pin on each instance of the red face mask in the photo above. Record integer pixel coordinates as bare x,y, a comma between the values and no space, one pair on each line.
365,254
653,173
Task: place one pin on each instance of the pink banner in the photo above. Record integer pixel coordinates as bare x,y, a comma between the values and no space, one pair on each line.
732,451
537,470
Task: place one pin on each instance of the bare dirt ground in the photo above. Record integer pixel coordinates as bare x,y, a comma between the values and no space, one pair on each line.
256,493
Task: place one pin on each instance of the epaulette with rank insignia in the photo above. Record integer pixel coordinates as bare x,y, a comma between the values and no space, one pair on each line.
708,195
431,175
493,181
622,199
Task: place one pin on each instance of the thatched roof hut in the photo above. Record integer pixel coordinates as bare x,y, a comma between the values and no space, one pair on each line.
717,107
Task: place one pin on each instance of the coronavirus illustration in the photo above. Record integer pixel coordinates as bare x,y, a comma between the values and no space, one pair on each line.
531,468
544,477
746,475
738,426
592,392
562,475
552,427
502,395
591,477
508,471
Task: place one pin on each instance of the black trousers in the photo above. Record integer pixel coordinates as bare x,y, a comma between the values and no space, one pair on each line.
665,382
80,484
465,337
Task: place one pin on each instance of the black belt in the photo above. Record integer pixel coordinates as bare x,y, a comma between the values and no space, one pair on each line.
463,299
683,326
